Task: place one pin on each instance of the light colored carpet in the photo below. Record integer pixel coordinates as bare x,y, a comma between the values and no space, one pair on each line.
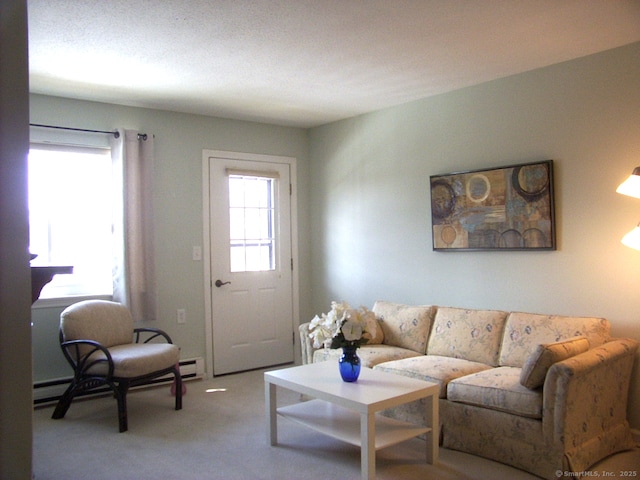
221,434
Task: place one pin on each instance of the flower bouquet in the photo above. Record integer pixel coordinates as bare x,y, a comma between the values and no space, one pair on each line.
341,327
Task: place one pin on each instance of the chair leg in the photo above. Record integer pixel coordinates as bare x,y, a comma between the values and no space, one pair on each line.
64,402
121,396
178,383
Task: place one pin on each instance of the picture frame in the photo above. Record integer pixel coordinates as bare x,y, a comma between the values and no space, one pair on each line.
502,209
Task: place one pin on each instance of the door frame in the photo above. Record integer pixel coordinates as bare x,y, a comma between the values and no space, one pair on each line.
206,244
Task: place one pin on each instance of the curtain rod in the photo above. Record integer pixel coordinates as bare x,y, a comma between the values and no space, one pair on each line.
115,133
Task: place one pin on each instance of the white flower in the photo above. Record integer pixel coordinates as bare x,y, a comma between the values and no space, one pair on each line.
321,331
342,325
352,330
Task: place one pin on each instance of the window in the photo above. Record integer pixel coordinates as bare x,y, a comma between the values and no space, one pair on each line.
251,216
70,217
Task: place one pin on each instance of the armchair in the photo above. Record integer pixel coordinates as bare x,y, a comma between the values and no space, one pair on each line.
99,340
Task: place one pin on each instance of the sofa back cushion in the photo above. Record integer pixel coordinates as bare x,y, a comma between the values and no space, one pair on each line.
473,335
405,326
525,331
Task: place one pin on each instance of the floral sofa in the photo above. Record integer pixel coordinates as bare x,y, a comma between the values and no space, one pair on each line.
543,393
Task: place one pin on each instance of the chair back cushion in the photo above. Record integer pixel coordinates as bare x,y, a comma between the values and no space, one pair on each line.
107,323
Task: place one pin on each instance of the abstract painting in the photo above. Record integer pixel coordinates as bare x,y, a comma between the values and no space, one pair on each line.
505,208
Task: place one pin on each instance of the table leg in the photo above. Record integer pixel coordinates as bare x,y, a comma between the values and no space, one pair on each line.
271,406
368,446
433,436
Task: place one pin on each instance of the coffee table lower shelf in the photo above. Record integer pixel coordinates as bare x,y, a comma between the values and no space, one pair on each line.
344,424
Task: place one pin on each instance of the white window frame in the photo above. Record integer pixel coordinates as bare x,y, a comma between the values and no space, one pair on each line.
58,296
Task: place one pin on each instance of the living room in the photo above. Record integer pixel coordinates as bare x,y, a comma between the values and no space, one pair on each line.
363,212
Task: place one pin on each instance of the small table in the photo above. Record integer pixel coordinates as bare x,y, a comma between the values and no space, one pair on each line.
40,276
347,411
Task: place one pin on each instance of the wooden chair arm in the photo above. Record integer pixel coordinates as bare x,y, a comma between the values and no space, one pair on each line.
82,361
154,333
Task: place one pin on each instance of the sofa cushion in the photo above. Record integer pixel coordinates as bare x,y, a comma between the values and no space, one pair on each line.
370,355
433,368
498,389
405,326
544,356
474,335
525,331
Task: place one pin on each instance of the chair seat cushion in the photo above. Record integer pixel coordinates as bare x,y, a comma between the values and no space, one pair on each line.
138,359
498,389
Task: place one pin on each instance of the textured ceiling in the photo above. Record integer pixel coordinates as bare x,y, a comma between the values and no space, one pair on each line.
304,62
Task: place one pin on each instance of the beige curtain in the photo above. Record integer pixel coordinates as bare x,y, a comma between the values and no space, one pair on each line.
134,279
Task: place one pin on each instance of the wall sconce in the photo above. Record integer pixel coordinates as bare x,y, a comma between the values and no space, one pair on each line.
631,187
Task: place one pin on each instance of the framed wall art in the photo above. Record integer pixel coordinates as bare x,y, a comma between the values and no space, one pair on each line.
505,208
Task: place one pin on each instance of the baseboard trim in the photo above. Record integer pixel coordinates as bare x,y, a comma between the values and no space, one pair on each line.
50,391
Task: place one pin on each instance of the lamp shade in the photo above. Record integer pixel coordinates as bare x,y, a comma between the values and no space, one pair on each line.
631,186
632,239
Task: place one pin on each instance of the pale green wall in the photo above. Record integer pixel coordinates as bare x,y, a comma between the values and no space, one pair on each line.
179,142
370,203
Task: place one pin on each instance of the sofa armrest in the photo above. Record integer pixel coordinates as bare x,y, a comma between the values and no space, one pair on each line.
586,395
306,344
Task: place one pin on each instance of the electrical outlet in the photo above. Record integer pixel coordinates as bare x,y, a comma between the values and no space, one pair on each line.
182,315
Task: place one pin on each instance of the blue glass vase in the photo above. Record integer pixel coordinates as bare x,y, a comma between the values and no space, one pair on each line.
349,364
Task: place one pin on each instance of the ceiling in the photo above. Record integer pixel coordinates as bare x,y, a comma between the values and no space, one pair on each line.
304,62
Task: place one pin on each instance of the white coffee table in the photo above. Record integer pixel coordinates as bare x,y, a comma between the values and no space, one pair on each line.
347,411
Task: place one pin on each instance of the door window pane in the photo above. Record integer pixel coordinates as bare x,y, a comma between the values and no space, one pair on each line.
251,220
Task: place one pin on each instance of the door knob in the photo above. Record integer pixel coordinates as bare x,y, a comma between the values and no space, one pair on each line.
220,283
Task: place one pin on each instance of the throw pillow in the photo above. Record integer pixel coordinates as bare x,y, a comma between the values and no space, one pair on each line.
535,369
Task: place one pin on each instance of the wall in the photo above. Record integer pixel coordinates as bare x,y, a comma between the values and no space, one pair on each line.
15,291
370,201
179,142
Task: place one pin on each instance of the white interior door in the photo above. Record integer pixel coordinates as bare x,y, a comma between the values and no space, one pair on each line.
251,264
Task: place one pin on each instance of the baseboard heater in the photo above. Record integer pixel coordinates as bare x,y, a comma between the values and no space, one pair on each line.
51,390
